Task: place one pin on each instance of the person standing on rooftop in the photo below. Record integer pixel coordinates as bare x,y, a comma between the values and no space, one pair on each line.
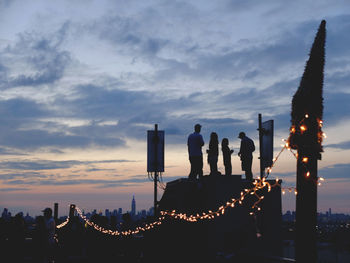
195,143
246,154
226,153
213,153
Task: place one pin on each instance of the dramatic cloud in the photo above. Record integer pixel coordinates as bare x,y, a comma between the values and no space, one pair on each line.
39,56
98,183
336,171
50,165
342,145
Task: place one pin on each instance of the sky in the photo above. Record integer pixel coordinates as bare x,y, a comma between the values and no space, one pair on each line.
82,81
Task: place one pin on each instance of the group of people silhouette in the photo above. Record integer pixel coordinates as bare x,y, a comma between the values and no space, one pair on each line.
14,231
195,143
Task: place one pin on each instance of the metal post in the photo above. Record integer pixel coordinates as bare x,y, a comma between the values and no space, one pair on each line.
260,147
71,211
55,213
156,169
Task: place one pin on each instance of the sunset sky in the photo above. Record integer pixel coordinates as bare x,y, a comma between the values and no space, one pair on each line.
82,82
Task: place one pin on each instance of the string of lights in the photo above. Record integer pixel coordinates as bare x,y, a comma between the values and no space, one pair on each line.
116,232
302,128
258,185
63,224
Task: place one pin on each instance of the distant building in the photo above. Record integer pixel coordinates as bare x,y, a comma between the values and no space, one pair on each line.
133,206
115,213
107,213
6,215
28,218
143,213
289,216
150,211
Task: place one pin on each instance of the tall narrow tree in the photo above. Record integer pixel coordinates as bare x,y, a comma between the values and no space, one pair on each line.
306,137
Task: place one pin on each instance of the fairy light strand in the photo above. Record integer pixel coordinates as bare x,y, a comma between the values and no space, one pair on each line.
259,184
63,224
304,160
116,232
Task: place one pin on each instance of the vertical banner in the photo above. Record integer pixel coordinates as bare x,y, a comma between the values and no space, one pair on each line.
267,144
155,151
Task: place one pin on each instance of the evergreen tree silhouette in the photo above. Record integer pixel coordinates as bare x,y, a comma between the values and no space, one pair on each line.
306,138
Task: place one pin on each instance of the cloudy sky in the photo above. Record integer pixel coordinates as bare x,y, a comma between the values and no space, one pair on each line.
82,81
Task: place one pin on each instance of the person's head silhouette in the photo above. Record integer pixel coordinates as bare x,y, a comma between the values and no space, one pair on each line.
241,135
47,212
224,142
197,128
214,136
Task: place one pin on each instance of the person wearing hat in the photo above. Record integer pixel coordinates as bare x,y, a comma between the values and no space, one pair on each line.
246,154
50,227
195,143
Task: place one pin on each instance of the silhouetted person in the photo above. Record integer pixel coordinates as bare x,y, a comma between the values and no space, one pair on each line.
195,142
226,153
213,153
246,154
50,227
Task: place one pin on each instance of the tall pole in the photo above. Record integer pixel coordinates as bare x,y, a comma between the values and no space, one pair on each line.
260,147
156,169
71,211
55,213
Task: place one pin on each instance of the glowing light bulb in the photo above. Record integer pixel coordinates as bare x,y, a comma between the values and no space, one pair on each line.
303,128
305,160
307,174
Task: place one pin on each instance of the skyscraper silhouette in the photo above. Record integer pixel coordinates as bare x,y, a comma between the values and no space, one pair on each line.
133,206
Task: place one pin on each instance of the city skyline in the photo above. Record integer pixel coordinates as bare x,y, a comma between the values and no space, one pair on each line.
82,82
112,210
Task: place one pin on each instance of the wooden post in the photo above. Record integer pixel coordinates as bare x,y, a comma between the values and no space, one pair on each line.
55,213
306,209
71,211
